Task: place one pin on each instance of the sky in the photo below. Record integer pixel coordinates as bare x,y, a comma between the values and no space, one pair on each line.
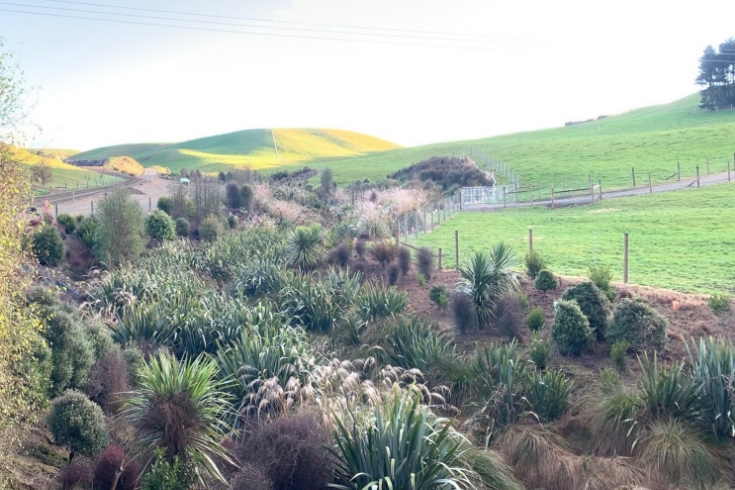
506,66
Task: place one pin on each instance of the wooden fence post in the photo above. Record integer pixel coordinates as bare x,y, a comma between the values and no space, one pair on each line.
552,196
625,259
697,175
633,170
650,184
92,204
56,209
456,249
460,200
149,204
504,197
678,171
440,259
599,183
592,190
530,239
728,171
707,165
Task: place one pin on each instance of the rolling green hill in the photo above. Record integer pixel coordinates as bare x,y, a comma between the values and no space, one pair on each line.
651,139
256,148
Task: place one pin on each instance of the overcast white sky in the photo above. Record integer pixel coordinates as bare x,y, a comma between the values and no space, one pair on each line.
542,63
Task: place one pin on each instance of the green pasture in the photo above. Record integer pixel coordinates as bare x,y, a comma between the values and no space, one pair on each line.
682,240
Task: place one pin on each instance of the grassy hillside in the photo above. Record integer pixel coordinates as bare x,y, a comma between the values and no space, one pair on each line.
62,173
679,240
254,148
61,153
651,139
126,165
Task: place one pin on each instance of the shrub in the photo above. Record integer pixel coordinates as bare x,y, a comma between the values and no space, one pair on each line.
378,302
87,231
210,229
107,466
181,227
639,324
404,259
231,222
536,319
108,381
667,392
601,276
463,312
421,279
233,196
78,423
305,246
535,263
120,233
68,222
292,450
246,197
425,262
98,335
393,273
179,474
48,246
720,303
486,278
414,344
384,252
159,225
546,281
165,204
548,394
424,451
360,249
509,315
340,254
593,303
524,300
618,352
72,354
438,295
713,368
134,363
79,475
539,351
571,330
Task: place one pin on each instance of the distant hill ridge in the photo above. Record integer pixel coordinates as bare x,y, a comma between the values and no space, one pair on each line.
256,148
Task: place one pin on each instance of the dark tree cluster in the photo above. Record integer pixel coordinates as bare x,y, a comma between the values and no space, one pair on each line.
445,171
717,76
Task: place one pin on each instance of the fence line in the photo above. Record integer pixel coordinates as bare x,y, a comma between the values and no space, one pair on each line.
425,219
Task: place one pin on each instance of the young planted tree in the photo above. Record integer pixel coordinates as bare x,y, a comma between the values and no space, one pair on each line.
159,225
78,423
121,230
48,246
327,181
233,196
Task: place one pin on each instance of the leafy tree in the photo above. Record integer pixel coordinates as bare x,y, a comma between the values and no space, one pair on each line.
233,196
717,76
78,423
181,226
246,197
120,232
87,231
571,330
207,197
327,180
165,204
48,246
42,173
159,225
180,406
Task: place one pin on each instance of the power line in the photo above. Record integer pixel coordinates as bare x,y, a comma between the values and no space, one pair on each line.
268,34
253,26
384,29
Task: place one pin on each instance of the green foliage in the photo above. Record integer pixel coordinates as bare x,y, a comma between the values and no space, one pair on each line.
246,197
210,229
639,324
618,353
68,221
571,330
534,263
414,344
593,303
159,225
181,227
438,296
87,231
536,319
180,474
326,181
601,275
720,303
48,246
78,423
667,392
403,445
539,351
165,204
378,302
548,394
713,368
179,406
546,281
311,302
135,363
232,222
232,195
421,279
120,234
305,246
486,278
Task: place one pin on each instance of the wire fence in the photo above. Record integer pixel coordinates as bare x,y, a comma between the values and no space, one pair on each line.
424,220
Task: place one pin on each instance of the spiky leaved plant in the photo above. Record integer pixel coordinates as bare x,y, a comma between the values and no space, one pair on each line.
487,277
305,246
180,406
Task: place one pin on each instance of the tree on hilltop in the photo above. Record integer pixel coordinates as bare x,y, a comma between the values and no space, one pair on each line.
717,76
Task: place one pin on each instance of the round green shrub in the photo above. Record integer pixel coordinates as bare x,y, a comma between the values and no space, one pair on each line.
232,222
87,231
210,229
182,228
246,197
546,280
165,204
438,295
159,225
593,303
539,351
48,246
571,330
534,263
72,353
639,324
68,221
78,423
617,354
536,319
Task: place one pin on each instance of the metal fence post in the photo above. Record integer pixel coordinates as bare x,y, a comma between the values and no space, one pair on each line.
456,249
